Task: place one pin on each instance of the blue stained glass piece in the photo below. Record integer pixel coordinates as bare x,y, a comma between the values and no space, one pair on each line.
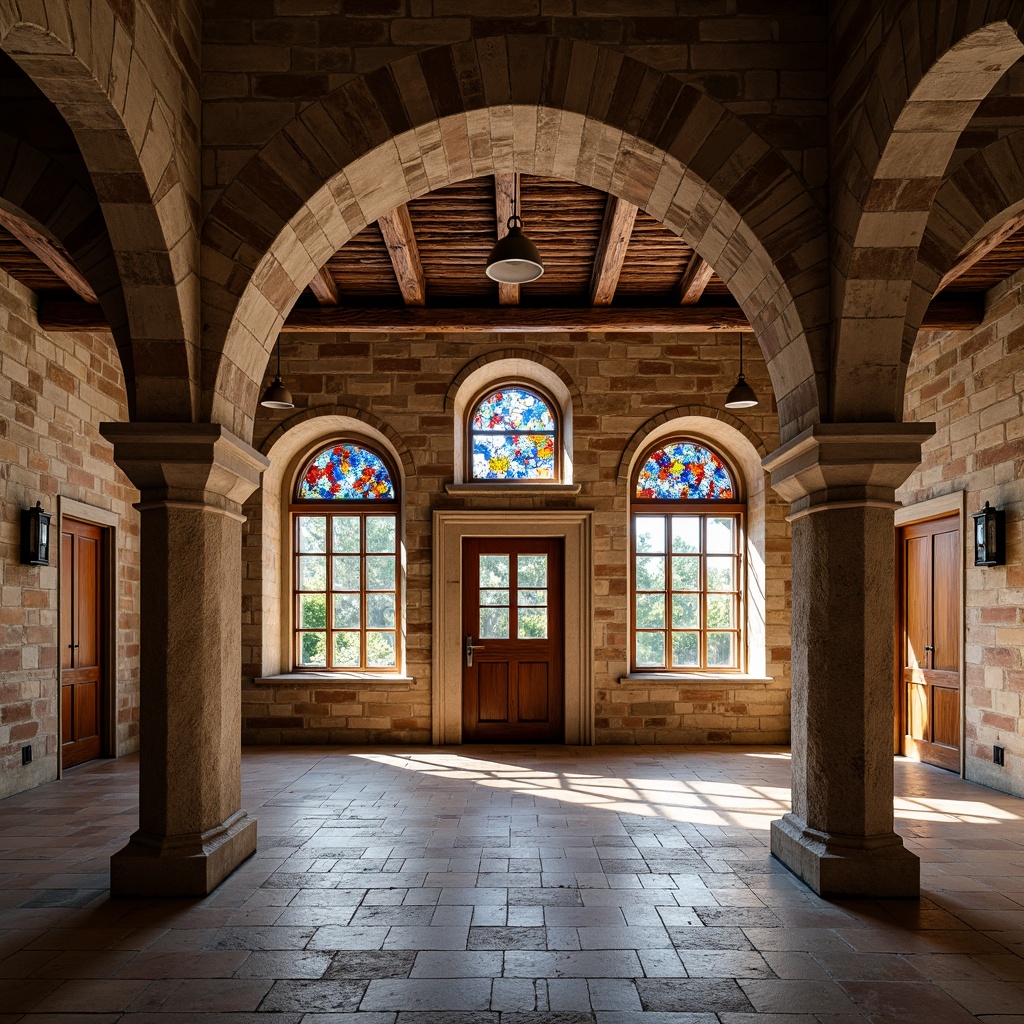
346,472
684,470
513,457
512,409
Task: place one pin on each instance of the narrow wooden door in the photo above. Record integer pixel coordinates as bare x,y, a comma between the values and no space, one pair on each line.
929,641
512,613
81,610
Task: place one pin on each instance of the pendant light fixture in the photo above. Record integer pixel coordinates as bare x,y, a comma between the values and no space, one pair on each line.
514,259
742,395
277,396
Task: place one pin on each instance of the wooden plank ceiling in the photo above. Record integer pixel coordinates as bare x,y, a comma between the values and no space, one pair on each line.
608,266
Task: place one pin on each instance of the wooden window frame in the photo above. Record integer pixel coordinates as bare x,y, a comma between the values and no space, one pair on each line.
360,509
704,509
556,415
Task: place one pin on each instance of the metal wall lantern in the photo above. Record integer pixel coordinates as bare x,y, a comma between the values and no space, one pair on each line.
35,535
989,536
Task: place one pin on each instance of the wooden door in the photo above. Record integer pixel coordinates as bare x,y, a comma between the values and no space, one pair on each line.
82,657
929,641
512,614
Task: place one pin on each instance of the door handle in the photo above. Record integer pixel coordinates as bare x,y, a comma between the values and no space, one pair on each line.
470,648
928,647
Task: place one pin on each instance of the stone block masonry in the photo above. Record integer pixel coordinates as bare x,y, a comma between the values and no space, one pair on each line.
55,390
622,383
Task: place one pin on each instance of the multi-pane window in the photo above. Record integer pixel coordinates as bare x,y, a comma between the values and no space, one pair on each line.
686,526
513,435
346,566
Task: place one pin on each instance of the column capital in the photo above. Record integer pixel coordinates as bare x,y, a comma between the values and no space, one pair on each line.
186,463
839,464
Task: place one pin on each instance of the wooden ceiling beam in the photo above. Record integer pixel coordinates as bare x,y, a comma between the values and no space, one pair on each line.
694,280
396,227
49,253
619,217
980,250
505,189
324,287
948,313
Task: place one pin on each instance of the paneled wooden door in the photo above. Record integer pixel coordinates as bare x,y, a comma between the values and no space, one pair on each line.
929,641
82,633
513,687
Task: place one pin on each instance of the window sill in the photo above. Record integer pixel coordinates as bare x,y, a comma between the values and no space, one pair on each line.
508,489
383,679
714,678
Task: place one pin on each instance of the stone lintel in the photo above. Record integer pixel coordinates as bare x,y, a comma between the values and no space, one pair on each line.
832,464
186,463
877,867
189,865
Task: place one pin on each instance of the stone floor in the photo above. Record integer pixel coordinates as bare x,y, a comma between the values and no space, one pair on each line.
510,885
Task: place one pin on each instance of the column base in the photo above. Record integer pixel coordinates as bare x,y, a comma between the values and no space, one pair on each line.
190,865
878,867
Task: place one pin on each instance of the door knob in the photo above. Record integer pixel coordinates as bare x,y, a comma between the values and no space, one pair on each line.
470,648
928,647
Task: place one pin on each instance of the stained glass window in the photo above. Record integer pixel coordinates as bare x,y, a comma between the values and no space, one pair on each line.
684,470
346,563
346,472
513,436
687,599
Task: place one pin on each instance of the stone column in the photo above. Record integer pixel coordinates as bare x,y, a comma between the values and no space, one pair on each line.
192,480
841,480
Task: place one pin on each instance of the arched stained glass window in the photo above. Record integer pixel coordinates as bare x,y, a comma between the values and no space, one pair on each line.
346,567
513,435
686,528
684,470
344,472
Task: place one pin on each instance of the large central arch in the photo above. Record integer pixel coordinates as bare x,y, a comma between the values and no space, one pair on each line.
536,105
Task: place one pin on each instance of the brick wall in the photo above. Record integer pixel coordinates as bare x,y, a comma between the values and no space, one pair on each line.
623,381
970,386
55,389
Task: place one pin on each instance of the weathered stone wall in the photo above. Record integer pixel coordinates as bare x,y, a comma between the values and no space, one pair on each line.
621,383
970,386
55,390
262,61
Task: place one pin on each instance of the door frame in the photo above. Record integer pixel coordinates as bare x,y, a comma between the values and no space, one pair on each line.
451,527
910,515
108,522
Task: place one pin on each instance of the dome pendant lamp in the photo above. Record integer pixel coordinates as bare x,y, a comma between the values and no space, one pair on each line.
514,259
742,394
277,396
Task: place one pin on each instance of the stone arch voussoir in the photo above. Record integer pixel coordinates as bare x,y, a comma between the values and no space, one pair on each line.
539,105
352,412
505,355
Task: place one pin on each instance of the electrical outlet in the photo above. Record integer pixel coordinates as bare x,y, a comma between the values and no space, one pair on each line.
998,756
26,754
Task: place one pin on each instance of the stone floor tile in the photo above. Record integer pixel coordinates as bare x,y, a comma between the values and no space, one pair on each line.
987,997
895,1000
340,937
87,995
509,994
284,964
613,994
457,964
507,938
427,994
367,964
778,996
724,963
308,995
568,994
429,937
572,964
623,937
709,994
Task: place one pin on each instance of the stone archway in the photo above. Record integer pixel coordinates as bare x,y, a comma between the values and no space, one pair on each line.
500,104
927,84
85,57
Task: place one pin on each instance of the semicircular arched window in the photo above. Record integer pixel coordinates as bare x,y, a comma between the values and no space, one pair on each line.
686,539
345,560
513,435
